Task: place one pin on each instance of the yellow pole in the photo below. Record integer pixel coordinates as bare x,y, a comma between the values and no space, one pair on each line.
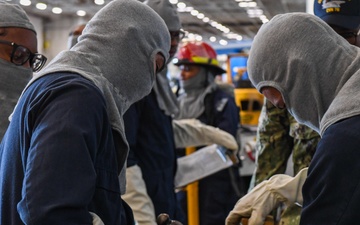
192,193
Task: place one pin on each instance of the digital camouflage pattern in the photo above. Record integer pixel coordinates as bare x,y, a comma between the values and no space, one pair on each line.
291,216
278,136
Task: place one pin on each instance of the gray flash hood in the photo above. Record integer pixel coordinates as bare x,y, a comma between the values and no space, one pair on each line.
315,69
116,51
12,15
165,97
167,11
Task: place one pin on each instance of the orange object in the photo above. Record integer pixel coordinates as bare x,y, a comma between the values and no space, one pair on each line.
192,193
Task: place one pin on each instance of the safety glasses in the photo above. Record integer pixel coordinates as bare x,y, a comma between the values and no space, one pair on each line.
20,55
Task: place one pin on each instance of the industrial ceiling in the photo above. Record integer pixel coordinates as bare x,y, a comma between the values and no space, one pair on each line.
216,20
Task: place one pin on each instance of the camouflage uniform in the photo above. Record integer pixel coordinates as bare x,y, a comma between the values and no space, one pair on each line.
278,136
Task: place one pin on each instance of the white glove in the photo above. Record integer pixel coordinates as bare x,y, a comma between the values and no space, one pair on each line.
191,132
266,196
96,219
137,197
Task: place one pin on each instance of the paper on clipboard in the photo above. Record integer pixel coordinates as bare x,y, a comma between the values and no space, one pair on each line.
202,163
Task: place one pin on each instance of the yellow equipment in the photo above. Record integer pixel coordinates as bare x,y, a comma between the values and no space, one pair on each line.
192,193
248,99
250,102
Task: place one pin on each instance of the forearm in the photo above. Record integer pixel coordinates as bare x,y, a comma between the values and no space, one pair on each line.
192,132
273,143
60,176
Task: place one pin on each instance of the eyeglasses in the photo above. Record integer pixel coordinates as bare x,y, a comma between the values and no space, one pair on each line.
20,55
351,37
178,35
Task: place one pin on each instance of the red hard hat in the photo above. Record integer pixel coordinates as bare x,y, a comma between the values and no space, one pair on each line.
198,53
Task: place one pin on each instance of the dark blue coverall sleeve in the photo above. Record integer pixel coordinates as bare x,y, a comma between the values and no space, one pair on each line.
131,121
331,191
151,140
66,149
59,175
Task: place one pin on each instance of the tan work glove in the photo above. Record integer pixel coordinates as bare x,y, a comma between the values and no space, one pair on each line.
266,196
191,132
137,197
96,219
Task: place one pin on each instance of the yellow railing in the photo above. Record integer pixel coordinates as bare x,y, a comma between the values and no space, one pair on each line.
192,193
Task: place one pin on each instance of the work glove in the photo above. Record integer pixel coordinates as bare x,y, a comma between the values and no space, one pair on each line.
191,132
96,219
137,197
266,196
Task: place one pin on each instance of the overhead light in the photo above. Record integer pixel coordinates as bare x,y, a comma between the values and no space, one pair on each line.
56,10
206,19
258,12
247,4
194,12
234,36
81,13
175,60
226,30
185,9
219,26
252,4
173,1
212,39
191,36
214,23
181,5
25,2
99,2
223,42
262,17
200,16
41,6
